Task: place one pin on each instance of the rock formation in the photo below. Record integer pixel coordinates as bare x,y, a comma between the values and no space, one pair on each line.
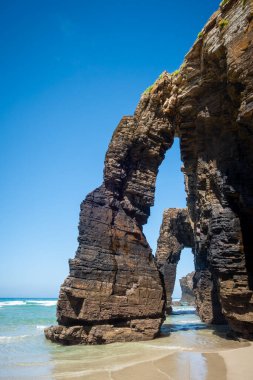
114,291
186,284
215,108
175,234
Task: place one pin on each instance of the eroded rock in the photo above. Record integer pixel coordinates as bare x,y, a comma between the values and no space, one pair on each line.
209,104
114,283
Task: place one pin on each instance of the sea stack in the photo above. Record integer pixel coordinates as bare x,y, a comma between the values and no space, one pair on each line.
186,284
114,291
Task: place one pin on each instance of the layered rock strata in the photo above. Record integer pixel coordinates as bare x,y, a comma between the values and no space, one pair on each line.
186,284
114,291
175,234
211,105
215,104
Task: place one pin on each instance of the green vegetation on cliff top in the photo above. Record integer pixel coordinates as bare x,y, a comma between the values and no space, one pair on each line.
148,89
224,2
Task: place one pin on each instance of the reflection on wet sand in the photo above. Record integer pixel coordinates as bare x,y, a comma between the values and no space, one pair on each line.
187,350
177,366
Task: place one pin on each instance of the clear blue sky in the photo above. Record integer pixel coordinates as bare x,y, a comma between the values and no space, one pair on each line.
70,69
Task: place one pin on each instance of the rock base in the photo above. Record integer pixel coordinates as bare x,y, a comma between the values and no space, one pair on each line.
134,330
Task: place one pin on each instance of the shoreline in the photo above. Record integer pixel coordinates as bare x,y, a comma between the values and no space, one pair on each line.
184,364
188,349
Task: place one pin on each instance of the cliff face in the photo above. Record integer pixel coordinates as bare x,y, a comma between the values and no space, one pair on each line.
215,108
114,291
175,234
186,284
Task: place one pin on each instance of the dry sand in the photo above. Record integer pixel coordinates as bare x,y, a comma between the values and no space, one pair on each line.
239,363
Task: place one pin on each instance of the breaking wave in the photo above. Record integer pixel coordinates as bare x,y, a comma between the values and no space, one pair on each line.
183,310
12,303
41,303
29,302
10,339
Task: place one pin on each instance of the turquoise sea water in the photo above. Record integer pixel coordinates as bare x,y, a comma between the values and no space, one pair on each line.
26,354
23,349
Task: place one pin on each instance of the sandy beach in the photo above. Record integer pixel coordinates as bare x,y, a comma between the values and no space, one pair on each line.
230,364
223,365
183,355
239,363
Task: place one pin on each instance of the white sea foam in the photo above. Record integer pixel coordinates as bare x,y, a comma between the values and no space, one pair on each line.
10,339
41,327
183,309
41,303
170,347
188,321
12,303
28,302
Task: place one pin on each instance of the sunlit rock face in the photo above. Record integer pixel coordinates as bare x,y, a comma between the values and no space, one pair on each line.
114,291
186,284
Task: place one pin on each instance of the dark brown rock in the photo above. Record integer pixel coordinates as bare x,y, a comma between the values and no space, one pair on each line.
214,110
114,283
114,291
113,279
216,136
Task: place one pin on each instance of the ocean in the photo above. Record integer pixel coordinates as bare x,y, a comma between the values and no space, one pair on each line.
26,354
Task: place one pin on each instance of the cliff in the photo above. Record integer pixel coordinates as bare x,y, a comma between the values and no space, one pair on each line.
114,291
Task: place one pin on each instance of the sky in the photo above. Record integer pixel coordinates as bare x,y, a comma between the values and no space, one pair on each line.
70,69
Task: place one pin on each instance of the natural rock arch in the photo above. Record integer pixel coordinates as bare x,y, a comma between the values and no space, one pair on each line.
114,291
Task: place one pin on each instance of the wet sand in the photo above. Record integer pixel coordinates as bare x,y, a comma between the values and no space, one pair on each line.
216,358
224,365
177,366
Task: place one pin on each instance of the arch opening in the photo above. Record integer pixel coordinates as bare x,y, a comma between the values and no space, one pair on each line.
169,192
185,267
174,238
